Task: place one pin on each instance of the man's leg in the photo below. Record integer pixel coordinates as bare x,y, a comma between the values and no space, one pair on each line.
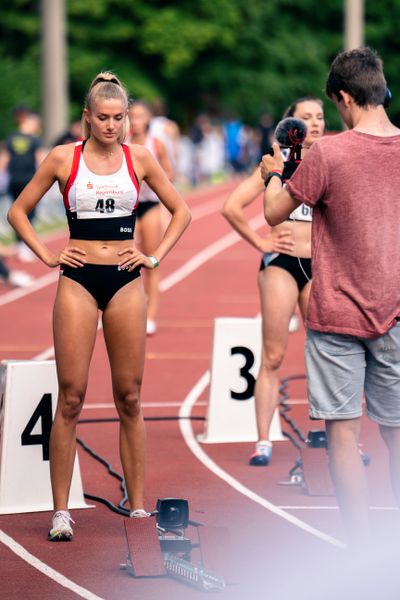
391,436
335,366
349,478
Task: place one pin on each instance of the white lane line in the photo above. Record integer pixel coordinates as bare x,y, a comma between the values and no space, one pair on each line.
38,284
334,508
208,208
45,355
206,254
45,569
188,436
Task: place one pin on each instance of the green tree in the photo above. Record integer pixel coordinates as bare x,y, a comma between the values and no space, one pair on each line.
242,56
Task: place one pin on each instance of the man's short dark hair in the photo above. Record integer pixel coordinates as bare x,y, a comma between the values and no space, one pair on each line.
358,72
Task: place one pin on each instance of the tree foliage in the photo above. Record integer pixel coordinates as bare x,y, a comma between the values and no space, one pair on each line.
223,56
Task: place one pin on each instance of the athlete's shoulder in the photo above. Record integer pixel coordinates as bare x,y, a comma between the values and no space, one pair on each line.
59,156
138,151
62,152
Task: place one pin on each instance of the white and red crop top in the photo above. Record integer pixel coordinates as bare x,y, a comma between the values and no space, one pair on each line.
101,207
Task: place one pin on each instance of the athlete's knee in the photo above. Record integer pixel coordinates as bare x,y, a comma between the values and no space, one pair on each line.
71,401
272,359
128,402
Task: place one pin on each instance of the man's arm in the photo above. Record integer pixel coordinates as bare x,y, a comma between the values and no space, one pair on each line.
278,203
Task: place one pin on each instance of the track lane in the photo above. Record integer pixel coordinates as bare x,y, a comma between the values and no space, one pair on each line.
224,286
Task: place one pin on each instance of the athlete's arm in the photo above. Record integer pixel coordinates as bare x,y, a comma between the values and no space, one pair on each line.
233,210
163,159
53,168
148,169
278,203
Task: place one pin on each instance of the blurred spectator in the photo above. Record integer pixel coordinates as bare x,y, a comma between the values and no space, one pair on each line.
166,130
15,278
20,157
266,133
211,155
249,148
234,140
196,136
73,134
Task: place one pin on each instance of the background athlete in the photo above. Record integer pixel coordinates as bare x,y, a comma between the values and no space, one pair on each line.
148,213
284,279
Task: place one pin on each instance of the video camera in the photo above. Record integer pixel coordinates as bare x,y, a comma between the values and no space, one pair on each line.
290,133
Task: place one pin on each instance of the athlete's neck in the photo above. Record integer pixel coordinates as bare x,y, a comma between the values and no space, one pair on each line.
93,146
139,138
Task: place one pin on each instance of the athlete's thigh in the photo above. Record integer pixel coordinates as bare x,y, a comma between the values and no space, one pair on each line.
150,229
124,326
303,300
75,317
279,296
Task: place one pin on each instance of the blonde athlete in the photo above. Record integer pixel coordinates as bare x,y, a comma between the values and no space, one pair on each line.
99,269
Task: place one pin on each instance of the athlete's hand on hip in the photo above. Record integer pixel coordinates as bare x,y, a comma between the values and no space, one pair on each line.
132,258
271,163
70,255
278,241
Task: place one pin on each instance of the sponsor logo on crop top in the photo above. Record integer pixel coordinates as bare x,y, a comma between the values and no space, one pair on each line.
93,196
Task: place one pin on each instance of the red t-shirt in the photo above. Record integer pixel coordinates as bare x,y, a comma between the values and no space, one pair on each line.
352,181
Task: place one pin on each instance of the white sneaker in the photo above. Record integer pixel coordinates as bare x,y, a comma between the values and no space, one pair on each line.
151,327
20,279
262,455
61,530
25,254
139,513
294,323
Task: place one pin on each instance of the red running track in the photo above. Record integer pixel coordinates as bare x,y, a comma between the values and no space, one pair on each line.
276,531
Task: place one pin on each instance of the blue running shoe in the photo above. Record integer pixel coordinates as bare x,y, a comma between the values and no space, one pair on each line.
262,455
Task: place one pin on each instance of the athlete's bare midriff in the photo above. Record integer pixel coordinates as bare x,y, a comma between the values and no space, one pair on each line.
102,252
301,231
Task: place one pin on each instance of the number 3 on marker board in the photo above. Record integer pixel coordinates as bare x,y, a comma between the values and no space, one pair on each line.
244,372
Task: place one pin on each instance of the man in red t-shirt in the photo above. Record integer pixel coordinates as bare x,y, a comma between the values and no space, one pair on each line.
352,182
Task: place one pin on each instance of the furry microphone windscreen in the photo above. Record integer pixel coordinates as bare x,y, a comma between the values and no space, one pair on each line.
290,132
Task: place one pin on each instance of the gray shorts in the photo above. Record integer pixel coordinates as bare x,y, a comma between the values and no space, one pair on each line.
341,367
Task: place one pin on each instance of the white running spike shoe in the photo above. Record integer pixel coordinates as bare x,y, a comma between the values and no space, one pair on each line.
61,530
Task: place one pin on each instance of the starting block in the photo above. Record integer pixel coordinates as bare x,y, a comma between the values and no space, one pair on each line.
28,392
160,548
231,415
311,470
144,551
316,478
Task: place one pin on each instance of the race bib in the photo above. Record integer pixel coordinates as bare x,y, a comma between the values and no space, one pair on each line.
302,213
103,200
